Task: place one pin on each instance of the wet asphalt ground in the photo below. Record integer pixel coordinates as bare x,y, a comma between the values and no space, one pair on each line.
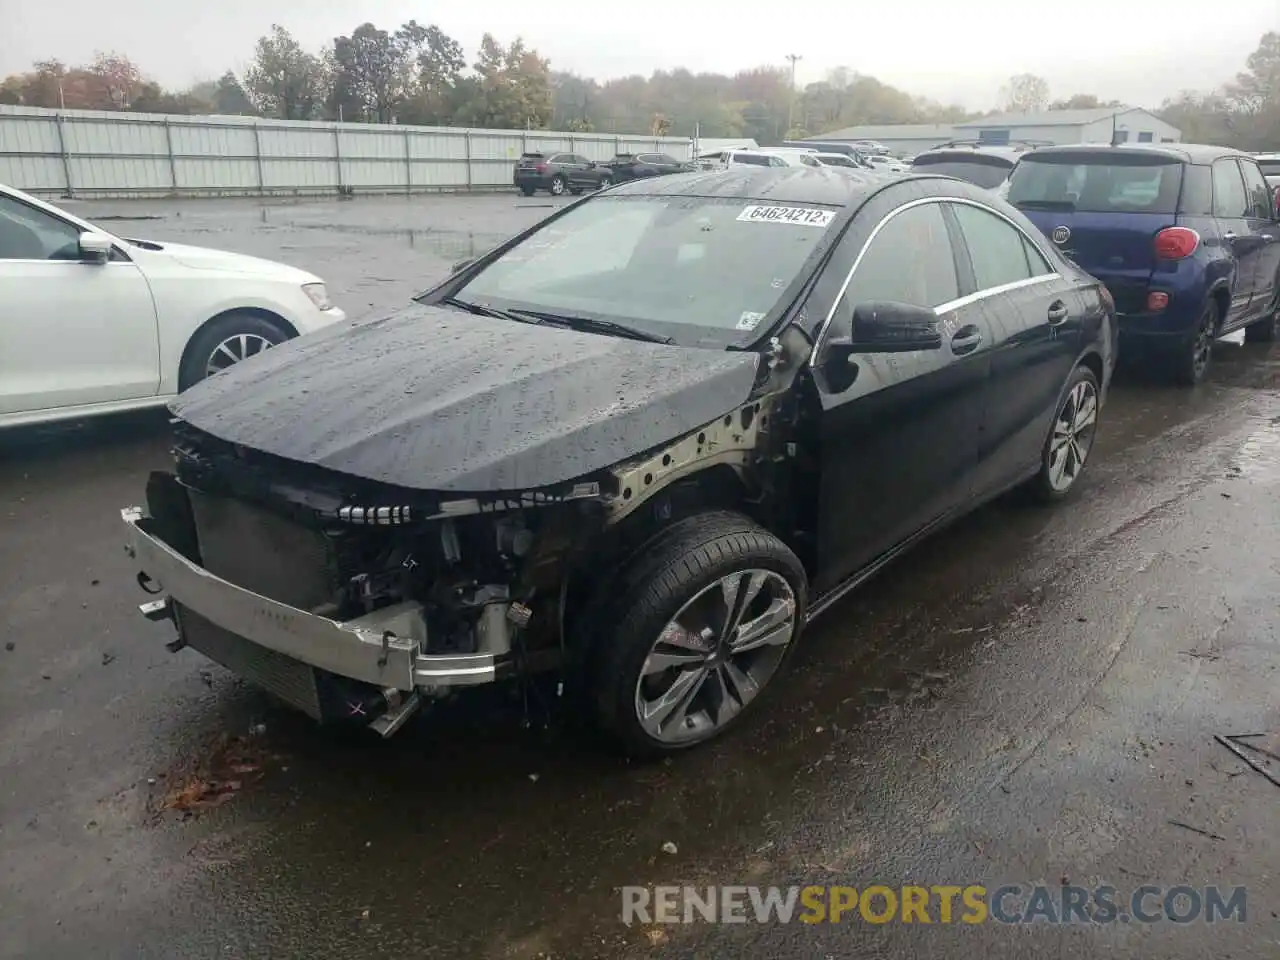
1030,697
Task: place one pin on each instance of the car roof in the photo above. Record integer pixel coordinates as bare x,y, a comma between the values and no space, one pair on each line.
1186,152
829,186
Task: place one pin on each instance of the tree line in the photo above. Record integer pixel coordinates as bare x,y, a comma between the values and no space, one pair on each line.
418,74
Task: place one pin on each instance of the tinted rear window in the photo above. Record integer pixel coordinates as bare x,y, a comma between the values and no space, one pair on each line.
986,172
1269,168
1097,183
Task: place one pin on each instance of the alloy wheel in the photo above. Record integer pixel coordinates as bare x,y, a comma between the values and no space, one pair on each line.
557,186
1073,433
715,656
234,349
605,182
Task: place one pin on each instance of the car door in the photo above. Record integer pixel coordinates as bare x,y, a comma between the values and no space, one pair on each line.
898,447
1265,230
71,331
1033,321
1230,211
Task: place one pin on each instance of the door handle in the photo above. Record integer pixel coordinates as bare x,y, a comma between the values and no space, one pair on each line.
966,340
1058,313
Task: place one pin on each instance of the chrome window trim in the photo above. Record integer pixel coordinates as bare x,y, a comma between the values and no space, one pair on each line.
954,304
977,295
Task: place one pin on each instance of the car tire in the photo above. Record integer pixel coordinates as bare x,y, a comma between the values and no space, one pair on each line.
226,341
605,183
687,572
1264,331
558,185
527,191
1065,453
1191,358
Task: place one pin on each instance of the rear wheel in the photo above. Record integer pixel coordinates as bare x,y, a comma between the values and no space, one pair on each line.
558,185
1070,441
225,342
1190,360
691,632
1264,331
605,182
527,191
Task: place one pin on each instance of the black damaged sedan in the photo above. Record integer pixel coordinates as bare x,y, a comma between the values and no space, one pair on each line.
642,444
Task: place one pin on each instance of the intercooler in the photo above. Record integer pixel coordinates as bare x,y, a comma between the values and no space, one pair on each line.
275,558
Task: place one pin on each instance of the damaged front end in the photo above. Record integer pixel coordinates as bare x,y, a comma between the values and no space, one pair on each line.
356,600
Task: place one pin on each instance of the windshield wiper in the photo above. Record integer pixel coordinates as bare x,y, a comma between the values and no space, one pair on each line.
599,326
483,310
1045,204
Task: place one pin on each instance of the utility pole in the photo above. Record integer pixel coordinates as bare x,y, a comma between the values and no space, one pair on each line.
791,100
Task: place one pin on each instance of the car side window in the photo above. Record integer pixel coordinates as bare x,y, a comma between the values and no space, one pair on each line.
30,234
663,158
809,161
996,248
1040,267
1229,198
1260,202
909,260
559,158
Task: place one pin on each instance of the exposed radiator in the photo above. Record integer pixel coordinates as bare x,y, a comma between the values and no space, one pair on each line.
263,552
291,680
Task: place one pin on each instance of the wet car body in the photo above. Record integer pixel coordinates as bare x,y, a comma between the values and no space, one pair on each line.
472,489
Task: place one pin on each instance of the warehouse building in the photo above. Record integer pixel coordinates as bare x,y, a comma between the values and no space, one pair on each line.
1099,125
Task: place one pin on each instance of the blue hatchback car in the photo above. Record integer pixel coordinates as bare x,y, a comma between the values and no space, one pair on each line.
1186,238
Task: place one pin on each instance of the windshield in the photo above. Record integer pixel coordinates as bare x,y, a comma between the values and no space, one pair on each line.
1098,183
988,172
704,272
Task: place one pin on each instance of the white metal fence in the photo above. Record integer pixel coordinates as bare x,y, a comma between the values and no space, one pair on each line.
93,153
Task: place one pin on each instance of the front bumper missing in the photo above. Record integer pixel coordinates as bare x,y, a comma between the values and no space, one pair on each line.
382,649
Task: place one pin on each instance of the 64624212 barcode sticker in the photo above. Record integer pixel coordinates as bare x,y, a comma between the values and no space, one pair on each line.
799,216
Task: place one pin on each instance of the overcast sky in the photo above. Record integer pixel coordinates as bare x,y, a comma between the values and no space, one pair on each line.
1137,51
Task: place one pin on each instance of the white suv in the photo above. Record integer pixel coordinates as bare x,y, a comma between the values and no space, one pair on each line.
93,323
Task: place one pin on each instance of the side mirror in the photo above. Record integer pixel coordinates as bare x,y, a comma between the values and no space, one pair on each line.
461,265
95,247
879,326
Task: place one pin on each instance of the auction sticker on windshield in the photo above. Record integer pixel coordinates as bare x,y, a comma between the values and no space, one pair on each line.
803,216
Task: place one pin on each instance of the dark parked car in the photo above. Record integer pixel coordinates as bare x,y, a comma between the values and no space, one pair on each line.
986,164
635,166
558,173
644,443
1184,236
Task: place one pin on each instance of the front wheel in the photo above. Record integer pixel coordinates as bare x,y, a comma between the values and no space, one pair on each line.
695,629
558,185
1070,441
225,342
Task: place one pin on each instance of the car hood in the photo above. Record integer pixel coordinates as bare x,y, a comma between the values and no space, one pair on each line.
435,399
204,258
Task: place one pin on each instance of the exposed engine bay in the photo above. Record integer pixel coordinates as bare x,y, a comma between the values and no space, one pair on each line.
438,591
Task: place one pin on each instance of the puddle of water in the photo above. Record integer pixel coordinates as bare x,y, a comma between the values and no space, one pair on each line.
1259,456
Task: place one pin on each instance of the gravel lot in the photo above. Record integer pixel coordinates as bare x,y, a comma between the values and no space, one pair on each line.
1031,696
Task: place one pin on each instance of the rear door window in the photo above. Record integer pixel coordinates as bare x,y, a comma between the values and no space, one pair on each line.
1229,198
996,248
1097,183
